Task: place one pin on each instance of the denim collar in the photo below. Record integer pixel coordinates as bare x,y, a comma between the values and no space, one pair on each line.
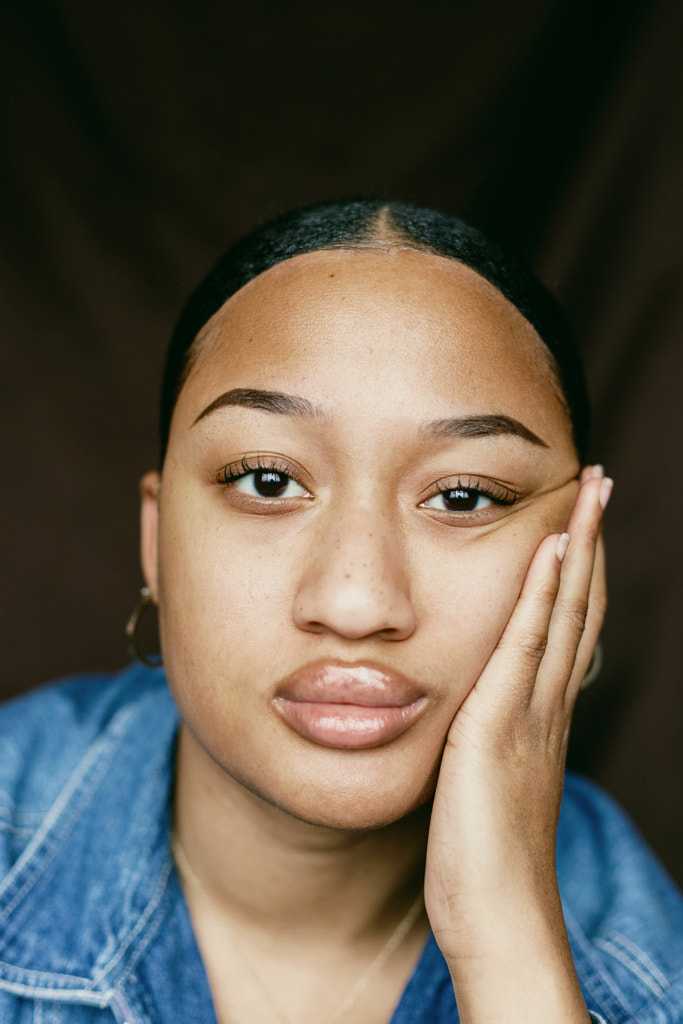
97,871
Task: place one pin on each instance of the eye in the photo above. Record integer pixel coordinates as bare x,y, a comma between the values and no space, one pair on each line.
463,497
269,483
262,484
459,499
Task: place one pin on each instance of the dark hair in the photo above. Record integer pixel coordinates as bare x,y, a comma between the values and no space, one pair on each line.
373,223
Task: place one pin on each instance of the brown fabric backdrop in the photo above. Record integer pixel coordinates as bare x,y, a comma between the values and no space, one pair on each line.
140,138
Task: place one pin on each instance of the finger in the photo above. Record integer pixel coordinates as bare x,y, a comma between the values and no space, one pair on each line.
512,668
589,472
570,612
597,606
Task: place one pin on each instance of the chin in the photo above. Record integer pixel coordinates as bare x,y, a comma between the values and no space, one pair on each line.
353,818
351,803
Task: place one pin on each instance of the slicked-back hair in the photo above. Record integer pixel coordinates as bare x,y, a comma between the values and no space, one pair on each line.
376,224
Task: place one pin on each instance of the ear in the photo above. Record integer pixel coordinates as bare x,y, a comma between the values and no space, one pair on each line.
150,486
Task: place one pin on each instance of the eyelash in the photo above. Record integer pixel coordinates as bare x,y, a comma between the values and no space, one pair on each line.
499,494
254,464
496,492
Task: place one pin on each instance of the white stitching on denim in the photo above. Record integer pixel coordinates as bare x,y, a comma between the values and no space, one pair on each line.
29,974
17,830
119,1002
94,763
101,1000
596,973
631,964
140,926
152,932
31,817
640,955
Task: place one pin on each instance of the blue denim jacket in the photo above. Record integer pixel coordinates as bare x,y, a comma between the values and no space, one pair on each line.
94,928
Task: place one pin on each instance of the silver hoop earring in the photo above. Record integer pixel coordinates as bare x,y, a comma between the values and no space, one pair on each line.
145,601
594,668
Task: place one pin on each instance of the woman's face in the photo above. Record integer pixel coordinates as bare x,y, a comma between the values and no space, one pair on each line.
334,567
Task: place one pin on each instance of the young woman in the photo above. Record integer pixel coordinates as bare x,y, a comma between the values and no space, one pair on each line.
377,560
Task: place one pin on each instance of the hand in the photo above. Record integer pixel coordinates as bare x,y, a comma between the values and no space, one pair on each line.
490,884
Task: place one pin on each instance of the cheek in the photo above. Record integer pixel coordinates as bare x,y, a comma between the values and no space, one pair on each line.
471,591
219,600
473,601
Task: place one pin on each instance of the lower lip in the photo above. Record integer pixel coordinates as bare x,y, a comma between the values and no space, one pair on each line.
350,726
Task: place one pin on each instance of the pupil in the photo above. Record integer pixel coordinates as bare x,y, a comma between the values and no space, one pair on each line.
460,500
270,484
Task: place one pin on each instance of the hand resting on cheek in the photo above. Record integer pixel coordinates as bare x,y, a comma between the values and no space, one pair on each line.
491,886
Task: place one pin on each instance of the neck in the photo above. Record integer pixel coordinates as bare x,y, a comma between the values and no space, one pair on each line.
257,863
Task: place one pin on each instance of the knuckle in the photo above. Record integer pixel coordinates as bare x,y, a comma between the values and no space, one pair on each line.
574,615
546,592
532,646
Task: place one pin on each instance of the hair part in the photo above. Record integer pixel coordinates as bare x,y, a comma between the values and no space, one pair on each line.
380,225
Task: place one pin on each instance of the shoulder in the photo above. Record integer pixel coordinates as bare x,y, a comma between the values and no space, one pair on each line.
624,914
46,734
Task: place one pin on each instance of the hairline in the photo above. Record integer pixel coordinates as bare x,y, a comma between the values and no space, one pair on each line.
388,240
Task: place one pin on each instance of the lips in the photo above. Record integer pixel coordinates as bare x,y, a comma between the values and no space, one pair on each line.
336,704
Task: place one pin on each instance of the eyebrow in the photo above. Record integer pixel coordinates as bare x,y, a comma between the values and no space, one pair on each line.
268,401
483,426
278,402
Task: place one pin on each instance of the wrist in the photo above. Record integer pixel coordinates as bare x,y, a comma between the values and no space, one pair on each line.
514,971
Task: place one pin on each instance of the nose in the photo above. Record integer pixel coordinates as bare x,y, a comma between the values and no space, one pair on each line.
356,583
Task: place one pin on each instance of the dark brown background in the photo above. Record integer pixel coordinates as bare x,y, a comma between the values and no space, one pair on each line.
140,138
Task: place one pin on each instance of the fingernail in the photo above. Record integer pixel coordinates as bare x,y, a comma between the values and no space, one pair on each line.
606,491
562,545
598,471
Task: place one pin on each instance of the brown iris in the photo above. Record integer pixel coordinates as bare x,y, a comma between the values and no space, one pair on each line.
460,500
269,483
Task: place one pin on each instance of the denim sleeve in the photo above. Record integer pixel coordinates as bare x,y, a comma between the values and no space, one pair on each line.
624,914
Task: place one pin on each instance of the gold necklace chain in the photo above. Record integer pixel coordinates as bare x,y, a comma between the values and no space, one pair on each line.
395,940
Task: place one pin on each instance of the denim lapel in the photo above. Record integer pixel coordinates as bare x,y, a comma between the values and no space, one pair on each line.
91,889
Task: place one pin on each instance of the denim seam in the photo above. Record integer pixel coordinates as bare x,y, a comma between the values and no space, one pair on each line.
630,964
49,839
82,996
128,1016
34,817
632,957
142,923
30,974
594,978
18,830
642,957
152,932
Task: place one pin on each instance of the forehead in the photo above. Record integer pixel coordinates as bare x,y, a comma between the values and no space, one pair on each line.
392,322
